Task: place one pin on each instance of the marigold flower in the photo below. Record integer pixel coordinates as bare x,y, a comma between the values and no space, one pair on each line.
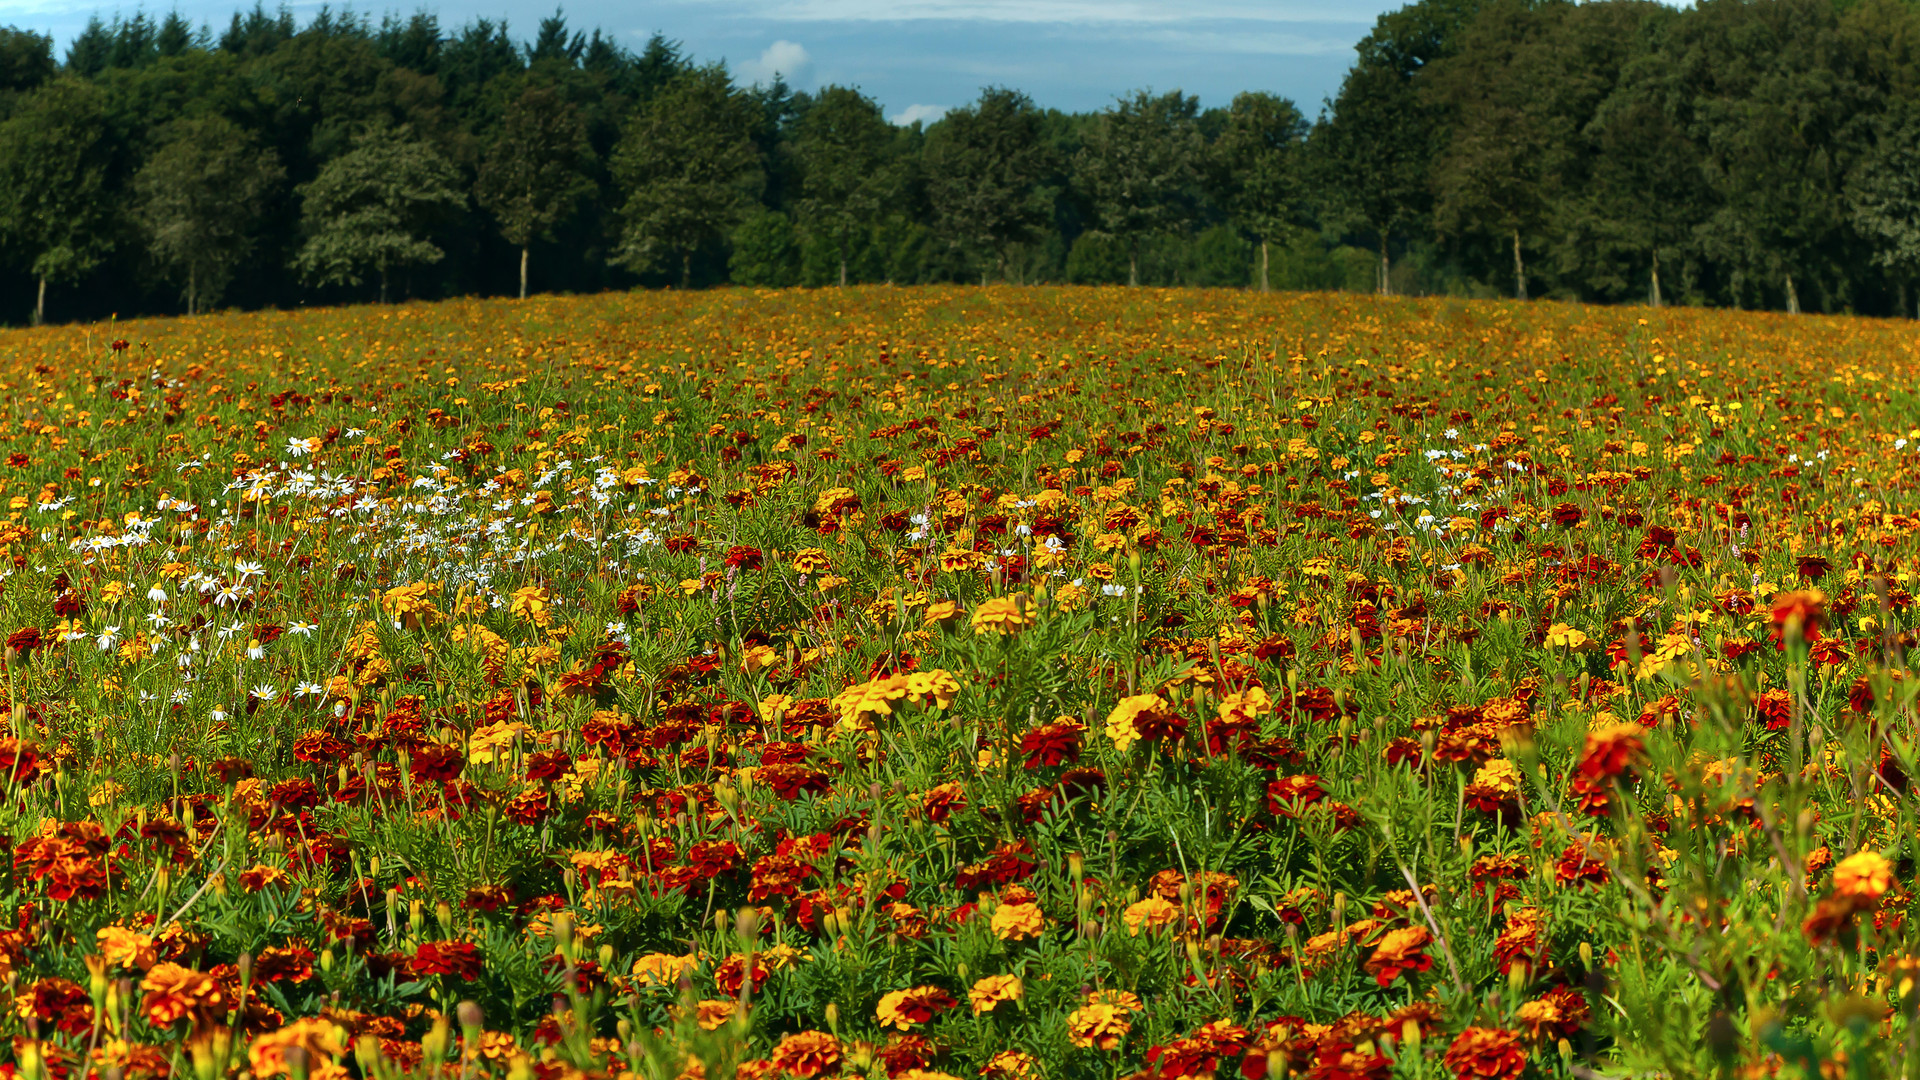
903,1009
1150,914
1486,1054
1797,615
1018,922
1011,1065
1123,721
713,1013
1002,615
662,969
323,1040
174,992
1400,950
988,993
806,1054
1609,749
1863,877
1099,1026
1562,636
126,948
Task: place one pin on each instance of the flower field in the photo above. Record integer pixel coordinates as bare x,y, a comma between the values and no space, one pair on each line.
1029,684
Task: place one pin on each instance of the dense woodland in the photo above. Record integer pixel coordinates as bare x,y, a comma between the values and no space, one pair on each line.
1751,153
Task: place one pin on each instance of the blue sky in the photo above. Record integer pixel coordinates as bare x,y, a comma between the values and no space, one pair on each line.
919,56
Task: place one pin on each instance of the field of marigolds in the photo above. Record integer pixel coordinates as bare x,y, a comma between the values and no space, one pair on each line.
1026,684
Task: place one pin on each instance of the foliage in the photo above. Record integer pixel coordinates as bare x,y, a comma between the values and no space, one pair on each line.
539,169
373,208
689,163
54,163
201,196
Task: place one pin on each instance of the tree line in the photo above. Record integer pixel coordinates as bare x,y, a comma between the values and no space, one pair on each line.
1754,153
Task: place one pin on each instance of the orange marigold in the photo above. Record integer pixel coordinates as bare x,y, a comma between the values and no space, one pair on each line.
1400,950
1863,878
988,993
903,1009
174,992
1017,922
806,1054
1486,1054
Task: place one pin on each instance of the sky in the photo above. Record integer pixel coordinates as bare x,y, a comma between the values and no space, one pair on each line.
920,57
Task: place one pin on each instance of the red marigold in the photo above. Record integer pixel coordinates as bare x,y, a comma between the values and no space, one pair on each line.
1289,795
1052,744
1797,614
459,959
1610,749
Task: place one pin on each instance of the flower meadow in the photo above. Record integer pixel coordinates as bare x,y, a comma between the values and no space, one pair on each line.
931,684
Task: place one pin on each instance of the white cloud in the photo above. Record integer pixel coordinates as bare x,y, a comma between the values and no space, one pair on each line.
787,59
918,114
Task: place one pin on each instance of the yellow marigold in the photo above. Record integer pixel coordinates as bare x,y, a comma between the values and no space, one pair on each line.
1864,876
662,969
1499,774
858,703
988,993
493,742
810,561
1562,636
1017,922
1251,703
923,1074
937,685
1002,615
126,948
323,1040
1120,722
954,560
1120,999
530,603
1099,1026
1011,1065
412,605
1153,913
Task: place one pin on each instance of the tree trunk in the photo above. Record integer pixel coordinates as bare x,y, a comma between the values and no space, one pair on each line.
686,271
1133,269
1263,266
843,270
1519,269
1386,279
193,290
1793,297
523,271
40,304
383,284
1656,278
